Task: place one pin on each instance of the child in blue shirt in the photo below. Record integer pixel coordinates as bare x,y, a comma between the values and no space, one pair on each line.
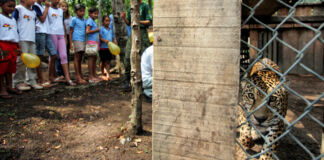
77,40
92,30
106,35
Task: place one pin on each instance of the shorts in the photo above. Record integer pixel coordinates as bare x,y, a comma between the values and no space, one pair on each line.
44,41
105,55
79,46
8,57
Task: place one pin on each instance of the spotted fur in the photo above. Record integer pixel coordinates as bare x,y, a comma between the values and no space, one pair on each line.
264,119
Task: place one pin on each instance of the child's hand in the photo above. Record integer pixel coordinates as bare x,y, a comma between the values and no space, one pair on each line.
106,41
47,4
123,15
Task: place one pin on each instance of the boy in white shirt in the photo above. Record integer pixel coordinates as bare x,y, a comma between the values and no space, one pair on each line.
147,70
44,41
26,22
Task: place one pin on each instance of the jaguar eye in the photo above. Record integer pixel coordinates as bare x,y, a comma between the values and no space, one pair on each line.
250,95
272,99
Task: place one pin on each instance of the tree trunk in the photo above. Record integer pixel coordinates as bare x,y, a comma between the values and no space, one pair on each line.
195,79
120,33
136,80
100,13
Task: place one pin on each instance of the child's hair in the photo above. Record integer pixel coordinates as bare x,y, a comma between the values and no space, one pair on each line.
104,17
5,1
67,13
92,10
78,7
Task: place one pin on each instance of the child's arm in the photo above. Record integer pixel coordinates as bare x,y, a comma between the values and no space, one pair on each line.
42,17
70,36
88,31
103,40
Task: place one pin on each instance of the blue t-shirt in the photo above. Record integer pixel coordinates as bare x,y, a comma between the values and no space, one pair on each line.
79,29
129,30
106,34
93,25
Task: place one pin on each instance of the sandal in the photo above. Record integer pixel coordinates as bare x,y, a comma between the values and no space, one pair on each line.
14,91
70,83
47,84
59,79
94,80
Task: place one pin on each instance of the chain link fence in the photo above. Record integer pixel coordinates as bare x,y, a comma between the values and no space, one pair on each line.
290,33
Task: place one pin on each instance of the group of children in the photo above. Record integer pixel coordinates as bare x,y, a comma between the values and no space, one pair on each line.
36,25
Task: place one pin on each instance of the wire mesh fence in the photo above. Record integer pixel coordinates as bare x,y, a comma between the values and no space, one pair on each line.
280,38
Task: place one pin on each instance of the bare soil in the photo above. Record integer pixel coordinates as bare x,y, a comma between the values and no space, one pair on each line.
86,122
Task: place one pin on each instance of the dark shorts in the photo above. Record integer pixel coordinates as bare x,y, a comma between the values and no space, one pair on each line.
105,55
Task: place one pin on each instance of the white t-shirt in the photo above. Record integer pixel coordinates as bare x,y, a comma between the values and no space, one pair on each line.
67,23
55,18
41,27
26,23
147,63
8,31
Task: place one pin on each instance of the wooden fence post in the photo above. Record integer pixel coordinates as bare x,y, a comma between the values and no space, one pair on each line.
195,78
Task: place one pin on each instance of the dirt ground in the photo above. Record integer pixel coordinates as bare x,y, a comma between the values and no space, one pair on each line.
85,122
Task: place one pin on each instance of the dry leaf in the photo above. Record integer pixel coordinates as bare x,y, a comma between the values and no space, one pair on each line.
57,147
138,140
11,119
139,152
56,134
40,133
100,148
25,140
116,147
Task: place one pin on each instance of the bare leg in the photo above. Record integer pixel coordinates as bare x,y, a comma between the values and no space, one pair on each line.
3,91
77,67
9,85
91,62
51,68
40,74
67,74
107,66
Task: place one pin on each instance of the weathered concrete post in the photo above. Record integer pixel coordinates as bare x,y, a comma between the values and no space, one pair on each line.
195,78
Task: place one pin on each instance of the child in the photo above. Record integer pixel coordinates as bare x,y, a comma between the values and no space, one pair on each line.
44,40
92,30
77,36
67,21
106,35
26,22
57,30
9,39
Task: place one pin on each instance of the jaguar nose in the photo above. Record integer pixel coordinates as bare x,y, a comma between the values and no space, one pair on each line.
260,119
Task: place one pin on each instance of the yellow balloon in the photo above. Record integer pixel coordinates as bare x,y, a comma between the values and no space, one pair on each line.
30,60
113,48
150,35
